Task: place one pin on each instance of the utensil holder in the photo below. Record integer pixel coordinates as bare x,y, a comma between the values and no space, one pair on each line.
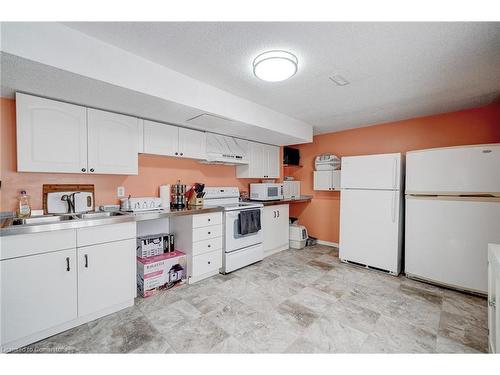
193,201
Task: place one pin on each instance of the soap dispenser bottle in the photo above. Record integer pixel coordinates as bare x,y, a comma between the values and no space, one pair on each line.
23,205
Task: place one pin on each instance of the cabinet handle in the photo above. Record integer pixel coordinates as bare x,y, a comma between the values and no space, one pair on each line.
83,169
208,262
67,264
274,212
92,169
86,261
278,213
177,153
208,219
209,246
182,153
209,232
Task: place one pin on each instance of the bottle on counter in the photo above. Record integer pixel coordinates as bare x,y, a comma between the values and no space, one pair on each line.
23,205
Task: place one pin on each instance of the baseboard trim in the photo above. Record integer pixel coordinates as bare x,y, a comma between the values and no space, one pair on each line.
328,243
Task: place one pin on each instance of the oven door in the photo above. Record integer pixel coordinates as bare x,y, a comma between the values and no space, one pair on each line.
234,240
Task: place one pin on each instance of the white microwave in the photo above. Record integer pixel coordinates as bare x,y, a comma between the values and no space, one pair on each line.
266,192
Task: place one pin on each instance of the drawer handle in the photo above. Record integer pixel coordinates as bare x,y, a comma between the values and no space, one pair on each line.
67,264
209,232
86,261
208,219
208,245
208,262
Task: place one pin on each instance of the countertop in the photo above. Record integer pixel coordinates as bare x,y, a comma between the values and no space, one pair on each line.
7,229
301,199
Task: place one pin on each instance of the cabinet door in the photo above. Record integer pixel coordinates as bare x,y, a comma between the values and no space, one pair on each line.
323,180
192,144
112,143
271,162
269,224
106,275
51,136
161,139
37,292
283,226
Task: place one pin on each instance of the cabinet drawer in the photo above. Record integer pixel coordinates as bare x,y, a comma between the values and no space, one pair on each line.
105,233
207,262
205,233
206,246
207,219
36,243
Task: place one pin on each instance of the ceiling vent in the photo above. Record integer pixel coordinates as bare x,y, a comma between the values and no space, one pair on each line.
339,80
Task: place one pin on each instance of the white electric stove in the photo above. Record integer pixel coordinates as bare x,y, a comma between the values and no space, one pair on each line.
239,250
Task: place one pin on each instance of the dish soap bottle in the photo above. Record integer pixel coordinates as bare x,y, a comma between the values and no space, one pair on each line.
23,206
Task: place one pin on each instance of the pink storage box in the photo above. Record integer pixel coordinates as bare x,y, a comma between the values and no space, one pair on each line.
159,272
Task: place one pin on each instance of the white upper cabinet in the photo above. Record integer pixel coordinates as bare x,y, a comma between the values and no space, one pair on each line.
112,143
192,144
169,140
160,139
51,135
263,162
58,137
326,180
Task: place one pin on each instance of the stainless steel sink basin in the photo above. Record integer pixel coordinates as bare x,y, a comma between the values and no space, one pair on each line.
98,214
46,219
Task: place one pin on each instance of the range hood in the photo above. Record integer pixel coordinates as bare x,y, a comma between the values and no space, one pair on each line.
226,150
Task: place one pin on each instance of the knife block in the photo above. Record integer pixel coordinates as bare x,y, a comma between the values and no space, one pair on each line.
193,201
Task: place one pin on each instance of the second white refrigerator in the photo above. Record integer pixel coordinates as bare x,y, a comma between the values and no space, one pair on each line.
371,212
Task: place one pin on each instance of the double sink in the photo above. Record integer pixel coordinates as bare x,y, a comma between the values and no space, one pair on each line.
46,219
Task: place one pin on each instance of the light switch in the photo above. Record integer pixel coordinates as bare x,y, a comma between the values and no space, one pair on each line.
120,191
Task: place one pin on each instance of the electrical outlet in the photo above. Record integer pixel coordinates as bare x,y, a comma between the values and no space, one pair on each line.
120,191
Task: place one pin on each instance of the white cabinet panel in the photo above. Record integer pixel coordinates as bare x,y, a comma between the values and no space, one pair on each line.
161,139
192,144
446,239
369,228
263,162
112,143
275,224
106,275
326,180
381,171
472,169
105,233
206,263
51,135
37,292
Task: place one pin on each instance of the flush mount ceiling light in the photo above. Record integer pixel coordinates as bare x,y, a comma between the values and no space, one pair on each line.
275,66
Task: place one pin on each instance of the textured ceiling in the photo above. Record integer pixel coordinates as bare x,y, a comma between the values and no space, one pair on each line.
395,70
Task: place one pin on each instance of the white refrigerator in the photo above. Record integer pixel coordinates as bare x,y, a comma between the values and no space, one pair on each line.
452,213
371,215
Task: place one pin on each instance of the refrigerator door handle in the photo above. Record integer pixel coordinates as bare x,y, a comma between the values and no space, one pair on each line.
395,174
393,212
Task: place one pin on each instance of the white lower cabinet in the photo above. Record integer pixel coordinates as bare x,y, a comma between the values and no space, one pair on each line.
200,237
47,288
275,224
104,275
38,292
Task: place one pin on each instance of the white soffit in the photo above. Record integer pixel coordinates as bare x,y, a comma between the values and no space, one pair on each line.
58,46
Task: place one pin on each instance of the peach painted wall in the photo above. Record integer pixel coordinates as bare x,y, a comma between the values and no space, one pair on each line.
321,216
153,172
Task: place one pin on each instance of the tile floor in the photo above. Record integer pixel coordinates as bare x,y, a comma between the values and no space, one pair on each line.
296,301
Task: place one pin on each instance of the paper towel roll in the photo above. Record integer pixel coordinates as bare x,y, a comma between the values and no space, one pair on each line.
165,196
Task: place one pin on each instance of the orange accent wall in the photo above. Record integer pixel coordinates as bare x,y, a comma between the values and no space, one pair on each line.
153,172
321,216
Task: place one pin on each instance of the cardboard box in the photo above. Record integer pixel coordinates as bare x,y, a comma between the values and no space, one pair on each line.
159,272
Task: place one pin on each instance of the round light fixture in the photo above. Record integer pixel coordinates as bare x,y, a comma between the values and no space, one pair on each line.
275,66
